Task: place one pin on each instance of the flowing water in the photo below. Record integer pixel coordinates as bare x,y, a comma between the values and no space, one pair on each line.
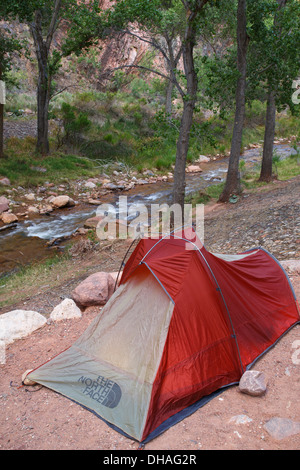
27,242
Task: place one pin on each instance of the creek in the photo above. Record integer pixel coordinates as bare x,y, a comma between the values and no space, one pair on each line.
29,240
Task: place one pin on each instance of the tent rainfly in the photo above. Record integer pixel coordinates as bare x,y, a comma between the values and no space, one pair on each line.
182,325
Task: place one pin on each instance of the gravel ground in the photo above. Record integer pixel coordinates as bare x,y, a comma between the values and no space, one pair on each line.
36,418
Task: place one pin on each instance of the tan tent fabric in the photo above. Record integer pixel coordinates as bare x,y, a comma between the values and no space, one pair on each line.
109,368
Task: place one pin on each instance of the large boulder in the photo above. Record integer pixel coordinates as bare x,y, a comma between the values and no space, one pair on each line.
18,324
95,290
3,207
8,218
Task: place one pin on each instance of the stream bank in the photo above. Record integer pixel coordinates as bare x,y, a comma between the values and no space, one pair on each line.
37,235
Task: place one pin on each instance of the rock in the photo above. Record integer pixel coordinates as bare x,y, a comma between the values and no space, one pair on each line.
240,419
3,208
46,209
193,169
19,323
90,185
71,203
5,181
95,202
95,290
30,197
253,383
8,218
33,210
113,187
26,381
4,200
142,181
62,201
82,231
49,199
279,428
148,173
65,310
203,159
93,222
2,352
4,204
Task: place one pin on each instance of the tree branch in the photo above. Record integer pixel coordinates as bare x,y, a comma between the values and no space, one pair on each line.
65,88
152,42
148,70
53,24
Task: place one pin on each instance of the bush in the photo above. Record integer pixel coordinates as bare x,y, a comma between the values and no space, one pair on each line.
74,123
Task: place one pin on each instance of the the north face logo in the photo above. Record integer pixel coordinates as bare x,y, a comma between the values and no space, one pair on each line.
104,391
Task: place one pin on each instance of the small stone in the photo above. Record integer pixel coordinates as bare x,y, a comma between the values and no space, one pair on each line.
90,185
65,310
203,159
279,428
93,222
253,383
95,202
33,210
30,197
26,381
62,201
193,169
240,419
5,181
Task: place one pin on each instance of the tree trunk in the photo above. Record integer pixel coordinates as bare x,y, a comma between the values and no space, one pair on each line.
267,158
170,88
181,153
187,117
44,80
232,185
43,99
266,173
42,49
1,131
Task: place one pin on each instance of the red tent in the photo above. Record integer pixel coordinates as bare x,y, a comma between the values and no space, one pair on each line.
183,324
228,311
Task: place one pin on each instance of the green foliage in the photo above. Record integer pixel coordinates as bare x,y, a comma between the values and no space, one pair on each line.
9,47
74,122
273,60
22,162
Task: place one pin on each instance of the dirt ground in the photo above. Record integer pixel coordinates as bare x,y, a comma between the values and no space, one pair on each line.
36,418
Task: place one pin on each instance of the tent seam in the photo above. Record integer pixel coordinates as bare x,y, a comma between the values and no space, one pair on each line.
221,293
